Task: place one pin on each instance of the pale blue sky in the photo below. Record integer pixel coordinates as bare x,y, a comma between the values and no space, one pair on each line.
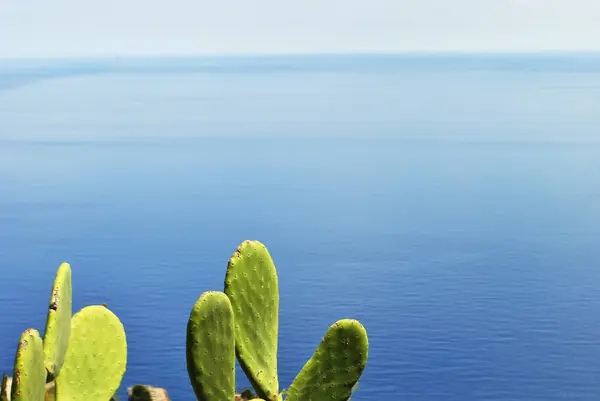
138,27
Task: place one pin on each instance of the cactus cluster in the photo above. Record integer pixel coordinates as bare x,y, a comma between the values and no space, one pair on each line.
243,320
80,357
83,357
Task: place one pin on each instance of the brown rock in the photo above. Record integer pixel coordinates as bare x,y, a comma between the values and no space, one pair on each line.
144,392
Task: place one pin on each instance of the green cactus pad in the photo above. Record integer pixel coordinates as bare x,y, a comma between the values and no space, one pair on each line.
210,348
251,285
5,389
29,376
58,323
96,358
336,365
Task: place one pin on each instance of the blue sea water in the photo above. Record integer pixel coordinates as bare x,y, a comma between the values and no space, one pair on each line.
450,203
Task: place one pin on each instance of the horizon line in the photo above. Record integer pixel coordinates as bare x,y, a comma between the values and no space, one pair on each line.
62,57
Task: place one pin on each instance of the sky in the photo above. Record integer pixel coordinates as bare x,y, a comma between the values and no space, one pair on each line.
67,28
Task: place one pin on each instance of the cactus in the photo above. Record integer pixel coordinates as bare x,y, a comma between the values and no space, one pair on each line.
58,323
335,367
210,348
89,350
29,375
251,285
5,389
331,373
96,358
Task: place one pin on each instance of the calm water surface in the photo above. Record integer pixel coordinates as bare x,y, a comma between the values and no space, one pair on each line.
450,204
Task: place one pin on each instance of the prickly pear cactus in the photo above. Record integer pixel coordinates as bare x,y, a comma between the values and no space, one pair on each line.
29,376
210,348
96,358
5,389
251,285
58,323
335,367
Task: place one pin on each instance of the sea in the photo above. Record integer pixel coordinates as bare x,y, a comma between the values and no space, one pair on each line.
449,202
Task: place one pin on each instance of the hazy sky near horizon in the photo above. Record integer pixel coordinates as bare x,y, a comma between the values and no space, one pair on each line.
137,27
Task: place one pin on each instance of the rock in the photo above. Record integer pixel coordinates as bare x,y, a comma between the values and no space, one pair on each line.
144,392
246,395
